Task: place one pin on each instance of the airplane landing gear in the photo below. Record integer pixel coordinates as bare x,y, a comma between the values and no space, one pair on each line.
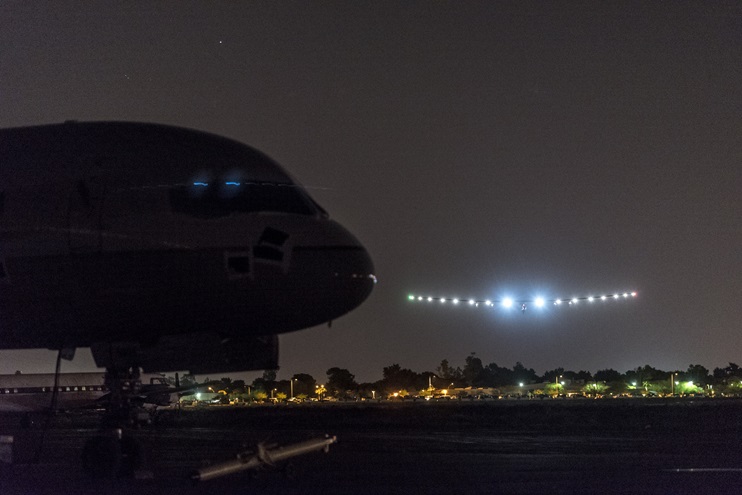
114,452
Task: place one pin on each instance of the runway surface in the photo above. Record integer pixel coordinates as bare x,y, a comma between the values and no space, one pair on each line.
653,446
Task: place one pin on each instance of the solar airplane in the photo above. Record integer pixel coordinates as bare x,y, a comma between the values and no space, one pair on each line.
509,302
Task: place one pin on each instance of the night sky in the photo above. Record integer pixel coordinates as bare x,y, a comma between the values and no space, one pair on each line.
477,149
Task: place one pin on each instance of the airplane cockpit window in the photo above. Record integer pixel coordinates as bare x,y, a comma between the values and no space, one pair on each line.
209,199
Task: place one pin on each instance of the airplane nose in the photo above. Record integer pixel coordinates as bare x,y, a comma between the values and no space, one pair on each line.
341,270
357,273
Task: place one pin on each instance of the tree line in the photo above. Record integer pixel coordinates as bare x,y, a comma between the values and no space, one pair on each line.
341,383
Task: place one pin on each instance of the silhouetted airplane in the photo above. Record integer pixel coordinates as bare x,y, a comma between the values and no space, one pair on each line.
30,393
163,248
25,393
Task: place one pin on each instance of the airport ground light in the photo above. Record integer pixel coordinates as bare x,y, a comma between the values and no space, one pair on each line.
644,380
595,389
320,390
554,389
426,392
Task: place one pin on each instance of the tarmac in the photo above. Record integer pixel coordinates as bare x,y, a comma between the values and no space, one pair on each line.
610,446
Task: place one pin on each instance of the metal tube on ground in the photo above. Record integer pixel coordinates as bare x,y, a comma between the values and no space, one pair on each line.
264,457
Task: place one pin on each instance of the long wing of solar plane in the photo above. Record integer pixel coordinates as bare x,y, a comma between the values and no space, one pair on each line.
508,302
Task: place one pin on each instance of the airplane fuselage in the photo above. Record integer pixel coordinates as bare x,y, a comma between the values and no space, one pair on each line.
130,232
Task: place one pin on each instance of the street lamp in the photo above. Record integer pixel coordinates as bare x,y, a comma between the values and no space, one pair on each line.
292,388
672,383
273,390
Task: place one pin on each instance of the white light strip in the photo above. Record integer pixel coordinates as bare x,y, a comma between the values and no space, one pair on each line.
538,302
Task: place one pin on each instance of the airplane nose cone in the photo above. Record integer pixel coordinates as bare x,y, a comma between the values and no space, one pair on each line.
344,275
341,271
357,274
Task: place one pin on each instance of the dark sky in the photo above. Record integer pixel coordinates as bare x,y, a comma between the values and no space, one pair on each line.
475,148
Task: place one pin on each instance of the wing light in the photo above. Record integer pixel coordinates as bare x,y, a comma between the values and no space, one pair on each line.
509,302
